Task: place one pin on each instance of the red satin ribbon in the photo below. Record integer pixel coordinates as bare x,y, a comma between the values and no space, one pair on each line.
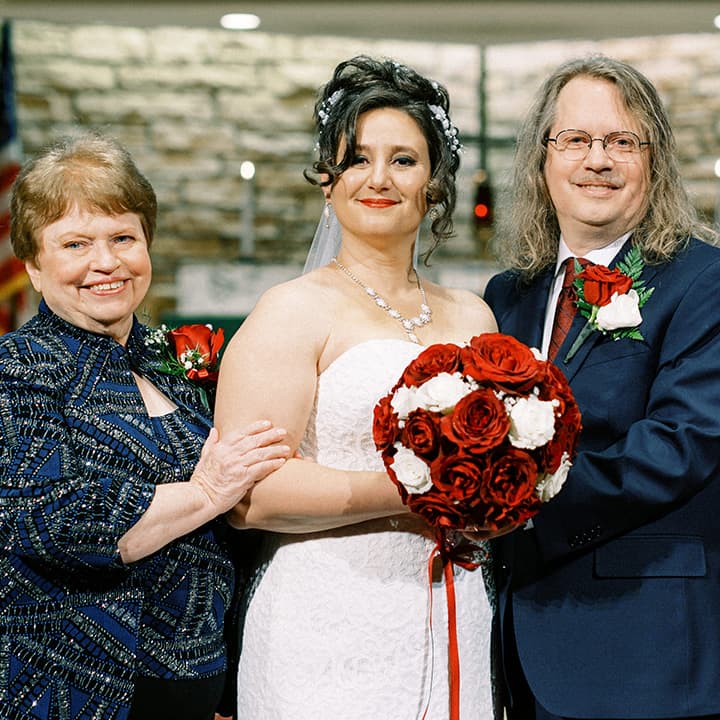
458,555
453,654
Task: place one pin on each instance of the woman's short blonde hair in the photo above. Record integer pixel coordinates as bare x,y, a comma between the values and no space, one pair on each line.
89,171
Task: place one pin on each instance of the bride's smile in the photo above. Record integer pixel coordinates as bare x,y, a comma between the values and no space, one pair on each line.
383,192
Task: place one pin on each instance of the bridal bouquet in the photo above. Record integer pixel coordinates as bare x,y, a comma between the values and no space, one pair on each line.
479,434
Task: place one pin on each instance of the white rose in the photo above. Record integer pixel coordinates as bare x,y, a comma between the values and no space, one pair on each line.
549,485
412,472
532,422
443,392
623,311
404,401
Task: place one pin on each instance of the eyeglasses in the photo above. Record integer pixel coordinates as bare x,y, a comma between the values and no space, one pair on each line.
576,144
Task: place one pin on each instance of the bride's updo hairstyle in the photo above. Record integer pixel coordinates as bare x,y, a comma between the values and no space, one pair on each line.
362,84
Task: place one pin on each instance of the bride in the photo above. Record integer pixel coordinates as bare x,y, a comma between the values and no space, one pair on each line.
339,621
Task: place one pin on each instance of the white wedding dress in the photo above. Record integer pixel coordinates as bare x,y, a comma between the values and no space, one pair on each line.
338,627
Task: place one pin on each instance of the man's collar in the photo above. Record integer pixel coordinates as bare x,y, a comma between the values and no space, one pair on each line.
598,256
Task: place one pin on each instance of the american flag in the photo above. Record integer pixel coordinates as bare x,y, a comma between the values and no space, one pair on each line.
13,279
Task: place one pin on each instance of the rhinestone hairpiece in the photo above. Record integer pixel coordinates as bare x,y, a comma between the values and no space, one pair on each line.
327,106
449,131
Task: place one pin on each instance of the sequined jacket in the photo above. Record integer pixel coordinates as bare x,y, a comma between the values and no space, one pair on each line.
79,462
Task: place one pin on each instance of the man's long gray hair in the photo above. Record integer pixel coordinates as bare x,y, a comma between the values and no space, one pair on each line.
528,231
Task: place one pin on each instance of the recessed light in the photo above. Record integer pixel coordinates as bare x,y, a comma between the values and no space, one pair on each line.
240,21
247,170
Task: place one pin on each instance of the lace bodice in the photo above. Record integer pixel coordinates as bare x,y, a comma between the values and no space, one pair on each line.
339,431
338,624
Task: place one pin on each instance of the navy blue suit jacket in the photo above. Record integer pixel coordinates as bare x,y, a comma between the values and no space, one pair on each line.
616,590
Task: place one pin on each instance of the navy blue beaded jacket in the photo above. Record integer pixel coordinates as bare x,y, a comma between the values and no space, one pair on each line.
79,462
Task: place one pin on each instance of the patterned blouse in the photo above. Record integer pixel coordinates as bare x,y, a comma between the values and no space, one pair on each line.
79,462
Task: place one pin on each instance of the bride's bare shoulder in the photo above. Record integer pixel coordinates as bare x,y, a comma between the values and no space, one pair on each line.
305,298
463,307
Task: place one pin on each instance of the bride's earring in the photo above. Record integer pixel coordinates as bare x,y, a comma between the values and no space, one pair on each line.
434,213
326,213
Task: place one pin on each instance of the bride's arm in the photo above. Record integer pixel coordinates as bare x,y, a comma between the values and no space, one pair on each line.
269,370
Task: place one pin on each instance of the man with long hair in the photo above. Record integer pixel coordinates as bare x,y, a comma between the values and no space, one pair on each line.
608,600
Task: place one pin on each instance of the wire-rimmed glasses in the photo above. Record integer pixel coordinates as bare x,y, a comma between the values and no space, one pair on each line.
621,145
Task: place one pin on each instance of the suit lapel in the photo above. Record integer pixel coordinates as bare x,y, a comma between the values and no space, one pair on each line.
525,316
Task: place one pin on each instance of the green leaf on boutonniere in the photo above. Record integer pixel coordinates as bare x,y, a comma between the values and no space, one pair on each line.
632,264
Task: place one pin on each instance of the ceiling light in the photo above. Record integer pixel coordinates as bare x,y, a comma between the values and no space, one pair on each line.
240,21
247,170
716,22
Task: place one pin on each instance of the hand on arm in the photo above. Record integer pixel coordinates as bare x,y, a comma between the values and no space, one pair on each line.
227,469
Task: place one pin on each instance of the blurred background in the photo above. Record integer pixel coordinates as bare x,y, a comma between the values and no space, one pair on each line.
220,119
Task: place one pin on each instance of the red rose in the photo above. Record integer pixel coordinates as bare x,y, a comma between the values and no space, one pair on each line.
204,344
432,361
599,284
508,487
478,422
556,387
384,423
421,433
458,477
564,441
568,421
503,361
436,510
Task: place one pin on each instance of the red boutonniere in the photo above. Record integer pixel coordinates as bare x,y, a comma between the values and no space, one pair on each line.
189,351
611,299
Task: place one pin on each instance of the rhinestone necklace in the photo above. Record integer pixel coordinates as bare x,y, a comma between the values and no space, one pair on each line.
424,317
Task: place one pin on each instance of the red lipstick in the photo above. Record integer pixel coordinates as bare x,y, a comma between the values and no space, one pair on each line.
378,202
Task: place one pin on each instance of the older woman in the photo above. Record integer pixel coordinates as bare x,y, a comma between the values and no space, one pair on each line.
114,577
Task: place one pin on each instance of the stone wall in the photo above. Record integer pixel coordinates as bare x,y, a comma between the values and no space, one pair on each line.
192,105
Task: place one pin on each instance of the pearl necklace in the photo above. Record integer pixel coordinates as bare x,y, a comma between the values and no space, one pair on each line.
424,317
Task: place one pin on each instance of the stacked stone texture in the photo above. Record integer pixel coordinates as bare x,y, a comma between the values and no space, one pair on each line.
193,104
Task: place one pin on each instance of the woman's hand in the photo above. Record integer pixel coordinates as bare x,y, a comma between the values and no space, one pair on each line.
230,465
227,469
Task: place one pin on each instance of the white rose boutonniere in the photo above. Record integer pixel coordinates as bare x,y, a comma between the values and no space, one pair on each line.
611,299
623,311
